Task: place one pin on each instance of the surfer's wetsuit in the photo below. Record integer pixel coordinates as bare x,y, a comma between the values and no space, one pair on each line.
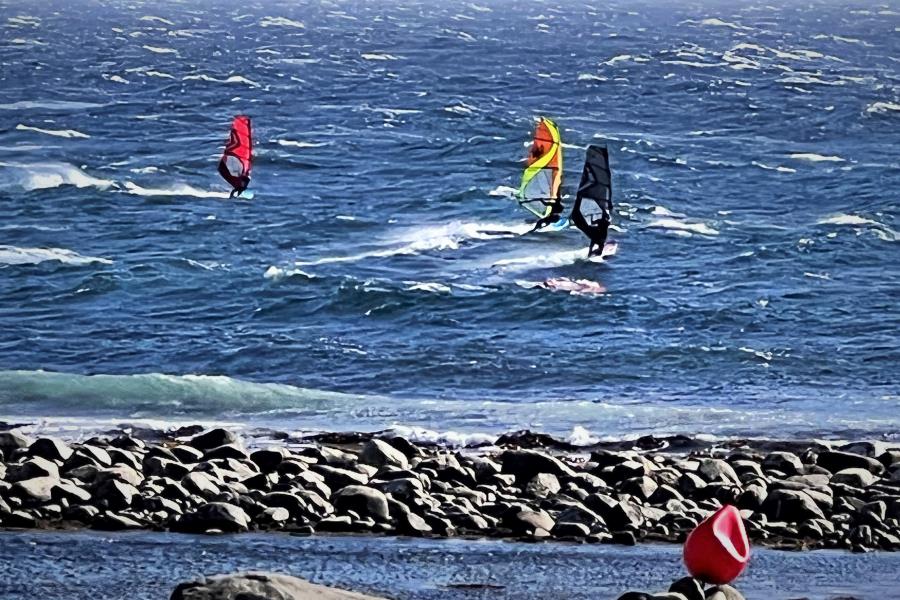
555,215
596,231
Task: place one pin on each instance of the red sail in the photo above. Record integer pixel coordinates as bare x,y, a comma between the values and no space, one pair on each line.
237,159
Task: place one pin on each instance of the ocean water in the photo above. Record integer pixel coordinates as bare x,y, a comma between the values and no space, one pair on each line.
380,278
144,565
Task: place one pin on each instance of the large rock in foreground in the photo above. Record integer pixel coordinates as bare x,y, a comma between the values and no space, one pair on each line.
260,586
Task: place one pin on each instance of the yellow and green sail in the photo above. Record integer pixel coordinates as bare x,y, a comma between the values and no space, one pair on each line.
542,178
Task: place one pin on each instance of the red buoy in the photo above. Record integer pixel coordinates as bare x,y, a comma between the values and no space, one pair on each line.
717,550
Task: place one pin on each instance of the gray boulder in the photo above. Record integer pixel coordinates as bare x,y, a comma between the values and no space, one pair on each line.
364,501
36,490
10,441
50,448
259,586
525,464
717,470
213,439
543,485
856,477
790,505
378,453
35,467
835,461
785,462
690,588
116,494
220,516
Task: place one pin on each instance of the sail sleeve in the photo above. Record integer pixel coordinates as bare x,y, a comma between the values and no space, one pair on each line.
542,178
237,159
593,201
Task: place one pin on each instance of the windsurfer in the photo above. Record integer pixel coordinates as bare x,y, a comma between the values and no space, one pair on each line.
596,230
555,214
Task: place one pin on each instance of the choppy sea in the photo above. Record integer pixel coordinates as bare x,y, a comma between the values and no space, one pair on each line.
380,278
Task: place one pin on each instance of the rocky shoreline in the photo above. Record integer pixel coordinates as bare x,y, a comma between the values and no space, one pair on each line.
792,495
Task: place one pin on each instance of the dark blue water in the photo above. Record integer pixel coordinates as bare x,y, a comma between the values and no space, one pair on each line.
378,277
87,565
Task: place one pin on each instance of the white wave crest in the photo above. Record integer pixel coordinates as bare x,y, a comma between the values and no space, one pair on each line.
177,189
50,105
426,238
12,255
280,22
778,168
379,56
156,19
300,144
590,77
503,191
41,176
715,22
812,157
881,231
433,287
847,220
24,20
541,261
676,226
277,273
231,79
159,49
65,133
883,107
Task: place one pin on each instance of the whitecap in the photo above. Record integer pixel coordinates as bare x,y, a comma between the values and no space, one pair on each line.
280,22
156,19
883,107
846,220
503,191
50,105
778,168
300,144
230,79
159,49
716,22
116,79
812,157
277,273
378,56
591,77
679,227
178,189
461,108
64,133
433,287
45,175
12,255
24,20
152,73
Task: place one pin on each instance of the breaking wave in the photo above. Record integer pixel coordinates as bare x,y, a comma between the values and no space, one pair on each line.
65,133
177,189
12,255
682,227
42,176
426,238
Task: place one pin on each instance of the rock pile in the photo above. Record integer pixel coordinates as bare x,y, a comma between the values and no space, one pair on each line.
819,497
260,586
688,588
